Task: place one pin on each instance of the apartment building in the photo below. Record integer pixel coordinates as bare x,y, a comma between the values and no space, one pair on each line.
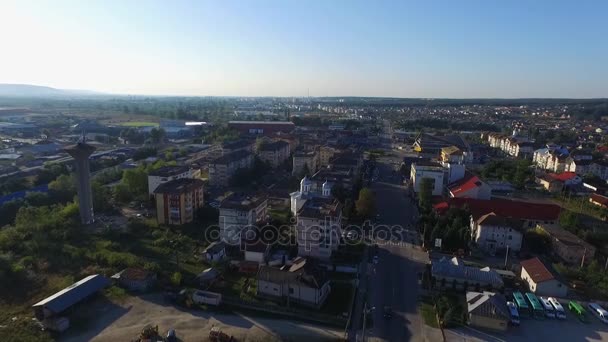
239,212
309,158
166,174
275,153
319,227
178,200
221,169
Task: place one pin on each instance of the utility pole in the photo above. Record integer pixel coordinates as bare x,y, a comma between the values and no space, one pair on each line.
506,256
583,258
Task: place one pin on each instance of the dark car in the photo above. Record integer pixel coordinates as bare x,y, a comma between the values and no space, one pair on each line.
388,312
171,336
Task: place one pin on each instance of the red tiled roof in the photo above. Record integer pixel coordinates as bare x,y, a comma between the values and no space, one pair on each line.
504,208
537,270
469,182
603,200
564,176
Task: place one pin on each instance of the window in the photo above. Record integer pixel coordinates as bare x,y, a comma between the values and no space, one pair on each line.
510,237
291,290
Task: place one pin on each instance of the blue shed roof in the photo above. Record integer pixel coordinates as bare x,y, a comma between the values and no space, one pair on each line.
74,293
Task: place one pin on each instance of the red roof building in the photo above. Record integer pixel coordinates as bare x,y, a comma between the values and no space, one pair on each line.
541,279
600,200
531,213
470,187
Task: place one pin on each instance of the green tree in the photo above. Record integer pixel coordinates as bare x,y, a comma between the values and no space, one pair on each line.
365,205
339,193
426,193
157,135
136,181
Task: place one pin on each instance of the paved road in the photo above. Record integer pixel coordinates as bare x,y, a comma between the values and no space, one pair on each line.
394,281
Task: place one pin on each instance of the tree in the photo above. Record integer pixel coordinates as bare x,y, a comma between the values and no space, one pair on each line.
157,135
136,181
426,193
365,205
305,171
64,187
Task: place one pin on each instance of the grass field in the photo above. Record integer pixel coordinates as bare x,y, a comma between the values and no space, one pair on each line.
138,123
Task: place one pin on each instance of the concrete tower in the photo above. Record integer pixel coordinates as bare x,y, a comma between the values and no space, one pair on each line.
81,153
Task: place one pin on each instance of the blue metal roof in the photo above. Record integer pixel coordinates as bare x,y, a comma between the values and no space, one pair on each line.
23,193
74,293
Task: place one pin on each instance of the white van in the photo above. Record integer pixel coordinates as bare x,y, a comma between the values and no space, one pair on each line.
599,312
549,310
514,313
559,309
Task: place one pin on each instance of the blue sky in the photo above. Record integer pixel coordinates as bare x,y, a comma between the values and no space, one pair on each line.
457,49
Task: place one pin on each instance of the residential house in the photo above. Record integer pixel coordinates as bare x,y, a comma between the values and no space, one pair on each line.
470,186
256,251
216,251
569,247
542,279
135,279
223,168
430,145
177,201
556,182
494,233
303,283
488,310
166,174
452,273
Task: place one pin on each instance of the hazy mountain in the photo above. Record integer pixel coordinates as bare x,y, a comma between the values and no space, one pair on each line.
28,90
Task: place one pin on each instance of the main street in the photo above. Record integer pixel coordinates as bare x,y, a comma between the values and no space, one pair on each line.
393,280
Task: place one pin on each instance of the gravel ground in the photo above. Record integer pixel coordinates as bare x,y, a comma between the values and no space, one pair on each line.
102,321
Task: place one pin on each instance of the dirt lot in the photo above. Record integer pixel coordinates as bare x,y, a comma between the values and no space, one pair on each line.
106,321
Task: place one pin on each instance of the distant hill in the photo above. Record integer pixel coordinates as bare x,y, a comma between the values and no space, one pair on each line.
28,90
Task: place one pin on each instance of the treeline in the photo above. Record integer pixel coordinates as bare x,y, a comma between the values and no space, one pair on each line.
448,125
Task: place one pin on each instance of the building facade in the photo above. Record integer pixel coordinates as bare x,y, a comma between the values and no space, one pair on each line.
222,168
238,213
178,200
433,171
274,153
493,233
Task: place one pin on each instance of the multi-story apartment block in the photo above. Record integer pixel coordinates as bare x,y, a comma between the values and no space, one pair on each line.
326,153
222,168
308,158
166,174
239,212
178,200
274,153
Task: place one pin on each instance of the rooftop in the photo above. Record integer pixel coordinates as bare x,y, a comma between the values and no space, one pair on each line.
454,268
242,201
506,208
537,270
231,157
179,186
74,293
274,146
168,171
465,184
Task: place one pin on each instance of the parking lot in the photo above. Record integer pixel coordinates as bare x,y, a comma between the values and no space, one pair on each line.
547,330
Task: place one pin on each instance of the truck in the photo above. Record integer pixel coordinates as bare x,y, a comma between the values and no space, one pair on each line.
206,297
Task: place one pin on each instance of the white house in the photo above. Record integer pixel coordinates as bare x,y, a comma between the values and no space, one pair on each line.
494,233
239,212
433,171
541,280
319,227
302,283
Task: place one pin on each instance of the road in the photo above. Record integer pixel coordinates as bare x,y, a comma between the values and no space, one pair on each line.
394,280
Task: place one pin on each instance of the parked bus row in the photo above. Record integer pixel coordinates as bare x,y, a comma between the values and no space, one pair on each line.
529,305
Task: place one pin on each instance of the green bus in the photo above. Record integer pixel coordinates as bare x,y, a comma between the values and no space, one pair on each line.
578,310
537,308
522,305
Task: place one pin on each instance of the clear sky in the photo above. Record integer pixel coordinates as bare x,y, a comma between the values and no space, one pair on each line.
426,48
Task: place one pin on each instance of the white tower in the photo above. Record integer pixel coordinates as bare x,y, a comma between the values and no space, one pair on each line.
326,189
305,185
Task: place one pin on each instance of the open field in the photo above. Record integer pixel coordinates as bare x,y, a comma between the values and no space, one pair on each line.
108,321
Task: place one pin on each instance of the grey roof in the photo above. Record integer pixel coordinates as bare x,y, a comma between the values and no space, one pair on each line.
168,171
487,304
178,186
303,272
74,293
274,146
454,268
232,157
